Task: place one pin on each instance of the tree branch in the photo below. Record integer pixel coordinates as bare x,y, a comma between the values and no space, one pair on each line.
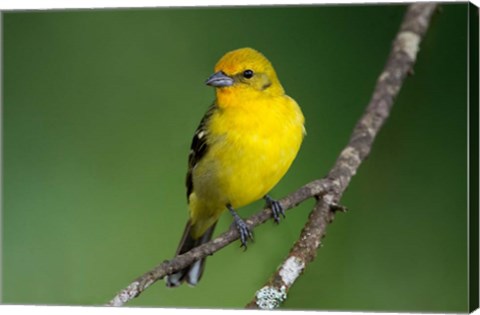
136,287
327,191
399,64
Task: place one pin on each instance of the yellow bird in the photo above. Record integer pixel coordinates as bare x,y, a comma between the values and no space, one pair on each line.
244,145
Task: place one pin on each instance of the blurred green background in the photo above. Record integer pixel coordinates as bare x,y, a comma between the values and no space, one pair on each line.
99,108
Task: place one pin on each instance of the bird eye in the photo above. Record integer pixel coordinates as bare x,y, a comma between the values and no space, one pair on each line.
247,74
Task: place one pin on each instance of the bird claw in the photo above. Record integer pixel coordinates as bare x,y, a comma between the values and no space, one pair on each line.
276,207
242,228
244,232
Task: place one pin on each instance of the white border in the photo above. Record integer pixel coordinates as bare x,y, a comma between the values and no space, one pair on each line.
77,4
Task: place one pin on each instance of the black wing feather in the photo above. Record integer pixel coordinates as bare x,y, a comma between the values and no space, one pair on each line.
198,148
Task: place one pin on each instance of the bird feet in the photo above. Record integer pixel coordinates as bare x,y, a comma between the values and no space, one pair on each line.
242,228
276,207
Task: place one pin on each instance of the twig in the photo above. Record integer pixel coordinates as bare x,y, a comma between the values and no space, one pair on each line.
136,287
328,190
399,64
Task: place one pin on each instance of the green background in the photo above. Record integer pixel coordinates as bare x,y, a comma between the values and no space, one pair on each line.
99,108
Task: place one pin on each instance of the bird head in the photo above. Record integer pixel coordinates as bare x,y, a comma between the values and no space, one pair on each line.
245,72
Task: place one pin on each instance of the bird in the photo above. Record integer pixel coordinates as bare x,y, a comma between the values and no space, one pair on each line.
243,146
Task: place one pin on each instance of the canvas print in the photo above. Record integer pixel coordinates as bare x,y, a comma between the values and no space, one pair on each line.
310,157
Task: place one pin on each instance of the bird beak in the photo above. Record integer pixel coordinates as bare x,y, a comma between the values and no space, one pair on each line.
219,79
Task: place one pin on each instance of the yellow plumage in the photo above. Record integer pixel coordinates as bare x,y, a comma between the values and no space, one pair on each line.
251,136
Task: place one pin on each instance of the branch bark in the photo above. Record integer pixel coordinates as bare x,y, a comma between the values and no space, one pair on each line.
137,286
327,191
399,64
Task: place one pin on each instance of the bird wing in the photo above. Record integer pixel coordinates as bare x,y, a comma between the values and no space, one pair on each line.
198,148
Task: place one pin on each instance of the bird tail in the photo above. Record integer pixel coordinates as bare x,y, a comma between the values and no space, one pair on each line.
192,273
